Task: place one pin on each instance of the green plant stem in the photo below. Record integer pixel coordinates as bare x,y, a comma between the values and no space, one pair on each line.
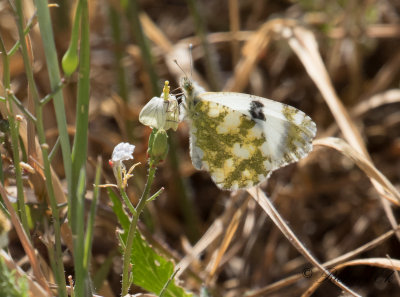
46,31
75,28
59,272
28,28
18,171
132,229
127,201
54,149
14,126
3,208
80,275
92,216
79,150
60,277
154,196
6,82
22,107
50,96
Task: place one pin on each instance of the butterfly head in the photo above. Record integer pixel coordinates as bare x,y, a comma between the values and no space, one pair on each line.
191,90
187,86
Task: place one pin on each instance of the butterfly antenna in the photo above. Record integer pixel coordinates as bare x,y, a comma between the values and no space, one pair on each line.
176,62
191,59
176,89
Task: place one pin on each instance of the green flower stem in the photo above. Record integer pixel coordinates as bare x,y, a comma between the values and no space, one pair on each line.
46,31
53,204
50,96
70,60
49,47
59,269
3,208
14,140
22,107
28,28
79,149
132,229
127,201
54,149
91,217
158,193
78,237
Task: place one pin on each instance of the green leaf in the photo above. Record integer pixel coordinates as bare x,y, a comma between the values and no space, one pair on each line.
10,286
150,270
118,209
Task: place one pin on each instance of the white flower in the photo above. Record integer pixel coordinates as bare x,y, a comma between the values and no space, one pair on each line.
161,112
122,152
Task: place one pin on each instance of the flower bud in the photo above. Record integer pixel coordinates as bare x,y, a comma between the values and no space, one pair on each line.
158,145
70,61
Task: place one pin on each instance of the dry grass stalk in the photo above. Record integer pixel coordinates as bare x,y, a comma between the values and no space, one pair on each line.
347,256
376,262
35,290
363,163
268,207
26,243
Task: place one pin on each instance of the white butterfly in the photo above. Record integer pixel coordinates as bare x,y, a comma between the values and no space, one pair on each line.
239,138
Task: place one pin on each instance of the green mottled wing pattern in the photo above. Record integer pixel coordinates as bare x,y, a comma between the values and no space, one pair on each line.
228,144
240,139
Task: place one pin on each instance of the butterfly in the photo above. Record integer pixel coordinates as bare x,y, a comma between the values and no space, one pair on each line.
239,138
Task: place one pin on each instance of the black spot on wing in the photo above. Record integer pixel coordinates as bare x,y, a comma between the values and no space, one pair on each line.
256,110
